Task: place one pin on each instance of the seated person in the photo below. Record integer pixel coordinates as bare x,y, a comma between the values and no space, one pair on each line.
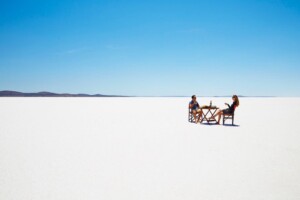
195,107
229,110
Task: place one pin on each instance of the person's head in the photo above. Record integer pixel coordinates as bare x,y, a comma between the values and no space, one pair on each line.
236,99
194,97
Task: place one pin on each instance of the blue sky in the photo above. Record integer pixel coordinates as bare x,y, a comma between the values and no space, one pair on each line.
155,47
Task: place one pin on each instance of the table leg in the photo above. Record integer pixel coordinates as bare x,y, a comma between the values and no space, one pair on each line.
208,116
212,114
204,118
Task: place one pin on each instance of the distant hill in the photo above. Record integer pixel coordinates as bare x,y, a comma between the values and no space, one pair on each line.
8,93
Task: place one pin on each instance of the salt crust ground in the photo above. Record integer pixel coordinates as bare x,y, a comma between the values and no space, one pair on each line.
145,149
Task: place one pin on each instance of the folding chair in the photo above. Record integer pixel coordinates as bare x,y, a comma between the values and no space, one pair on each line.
229,116
191,116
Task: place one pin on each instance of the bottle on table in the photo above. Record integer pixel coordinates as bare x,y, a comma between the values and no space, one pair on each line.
210,104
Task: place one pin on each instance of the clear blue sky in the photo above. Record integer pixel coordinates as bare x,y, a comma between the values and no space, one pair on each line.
153,47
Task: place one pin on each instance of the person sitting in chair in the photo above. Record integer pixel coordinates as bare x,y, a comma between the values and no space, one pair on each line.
229,110
195,107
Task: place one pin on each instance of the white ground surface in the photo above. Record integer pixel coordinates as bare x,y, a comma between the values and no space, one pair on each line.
145,149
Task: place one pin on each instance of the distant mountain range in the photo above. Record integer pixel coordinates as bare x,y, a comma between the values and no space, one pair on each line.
7,93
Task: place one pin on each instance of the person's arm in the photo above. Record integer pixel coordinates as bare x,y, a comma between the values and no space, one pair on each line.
227,105
191,104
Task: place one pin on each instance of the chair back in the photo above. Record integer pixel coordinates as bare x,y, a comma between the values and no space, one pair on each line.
235,106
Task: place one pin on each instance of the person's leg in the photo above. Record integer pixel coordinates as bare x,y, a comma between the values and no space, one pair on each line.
219,116
217,113
199,114
195,114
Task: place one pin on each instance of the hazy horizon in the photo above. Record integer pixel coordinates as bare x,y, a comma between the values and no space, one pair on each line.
216,96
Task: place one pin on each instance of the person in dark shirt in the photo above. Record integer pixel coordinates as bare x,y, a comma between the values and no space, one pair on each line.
195,108
229,110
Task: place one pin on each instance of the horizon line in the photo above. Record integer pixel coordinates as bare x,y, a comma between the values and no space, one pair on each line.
45,93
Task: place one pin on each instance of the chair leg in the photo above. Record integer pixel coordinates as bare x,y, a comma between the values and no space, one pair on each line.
225,117
191,118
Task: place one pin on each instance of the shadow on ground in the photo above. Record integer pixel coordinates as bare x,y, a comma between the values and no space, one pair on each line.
215,124
230,125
